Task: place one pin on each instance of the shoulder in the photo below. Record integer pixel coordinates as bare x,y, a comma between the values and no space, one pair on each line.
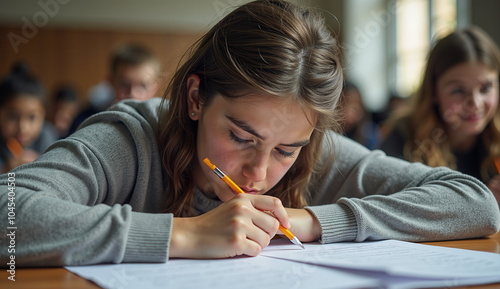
340,148
147,109
132,113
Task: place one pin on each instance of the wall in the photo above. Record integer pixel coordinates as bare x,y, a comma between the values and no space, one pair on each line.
70,40
159,15
80,56
486,14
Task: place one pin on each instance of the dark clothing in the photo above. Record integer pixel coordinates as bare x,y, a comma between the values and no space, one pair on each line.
468,162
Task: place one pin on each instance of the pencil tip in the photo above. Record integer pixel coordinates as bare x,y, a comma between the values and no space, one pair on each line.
297,242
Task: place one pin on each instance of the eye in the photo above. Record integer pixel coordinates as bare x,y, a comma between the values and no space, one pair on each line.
486,88
285,153
237,139
458,91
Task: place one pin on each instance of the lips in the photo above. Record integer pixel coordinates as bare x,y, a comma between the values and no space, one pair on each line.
250,190
475,117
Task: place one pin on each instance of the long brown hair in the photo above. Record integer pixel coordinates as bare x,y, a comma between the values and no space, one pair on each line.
428,141
270,47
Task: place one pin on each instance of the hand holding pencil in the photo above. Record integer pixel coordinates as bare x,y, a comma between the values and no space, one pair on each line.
238,190
238,226
19,155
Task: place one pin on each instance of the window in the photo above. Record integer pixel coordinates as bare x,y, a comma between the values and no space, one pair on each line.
417,24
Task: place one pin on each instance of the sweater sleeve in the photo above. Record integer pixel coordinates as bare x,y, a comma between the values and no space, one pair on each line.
91,198
367,195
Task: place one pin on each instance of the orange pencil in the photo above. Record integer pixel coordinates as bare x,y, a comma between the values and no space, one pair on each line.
497,164
238,190
15,148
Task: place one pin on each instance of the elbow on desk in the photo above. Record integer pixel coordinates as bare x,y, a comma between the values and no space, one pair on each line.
479,211
489,212
495,221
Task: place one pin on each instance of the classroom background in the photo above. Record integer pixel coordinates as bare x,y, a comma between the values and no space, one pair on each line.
385,42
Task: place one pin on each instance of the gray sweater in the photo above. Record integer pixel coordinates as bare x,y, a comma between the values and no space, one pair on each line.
96,197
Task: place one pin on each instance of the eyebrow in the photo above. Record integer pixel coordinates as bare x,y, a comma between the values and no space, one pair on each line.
453,82
246,127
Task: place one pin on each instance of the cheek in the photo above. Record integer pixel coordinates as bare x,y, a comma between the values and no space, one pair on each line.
36,125
278,171
493,103
449,109
8,128
219,150
275,175
217,147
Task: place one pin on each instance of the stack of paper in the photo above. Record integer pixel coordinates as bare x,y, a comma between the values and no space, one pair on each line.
382,264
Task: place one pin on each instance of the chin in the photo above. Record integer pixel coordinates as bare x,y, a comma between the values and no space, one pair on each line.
225,197
471,132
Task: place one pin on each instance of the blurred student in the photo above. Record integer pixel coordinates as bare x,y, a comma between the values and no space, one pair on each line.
64,108
358,125
455,119
134,74
396,107
24,133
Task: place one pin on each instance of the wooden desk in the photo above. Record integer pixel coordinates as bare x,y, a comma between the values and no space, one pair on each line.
60,278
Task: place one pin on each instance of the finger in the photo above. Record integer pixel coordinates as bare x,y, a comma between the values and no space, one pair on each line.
259,237
253,248
244,211
238,244
266,222
246,238
272,205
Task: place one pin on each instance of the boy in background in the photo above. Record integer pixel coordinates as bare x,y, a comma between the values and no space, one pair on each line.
134,74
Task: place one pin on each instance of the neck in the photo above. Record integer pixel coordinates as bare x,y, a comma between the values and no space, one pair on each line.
460,142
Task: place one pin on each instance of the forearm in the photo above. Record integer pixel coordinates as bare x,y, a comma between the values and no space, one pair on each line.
387,198
337,223
52,232
442,205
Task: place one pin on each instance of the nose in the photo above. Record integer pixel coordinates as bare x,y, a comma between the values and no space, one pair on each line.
473,100
256,168
23,126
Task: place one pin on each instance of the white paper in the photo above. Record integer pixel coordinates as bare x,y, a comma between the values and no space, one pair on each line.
384,264
395,258
235,273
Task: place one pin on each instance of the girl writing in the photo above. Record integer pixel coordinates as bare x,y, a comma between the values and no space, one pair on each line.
259,96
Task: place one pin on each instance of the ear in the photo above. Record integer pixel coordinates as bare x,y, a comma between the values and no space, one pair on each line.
193,99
